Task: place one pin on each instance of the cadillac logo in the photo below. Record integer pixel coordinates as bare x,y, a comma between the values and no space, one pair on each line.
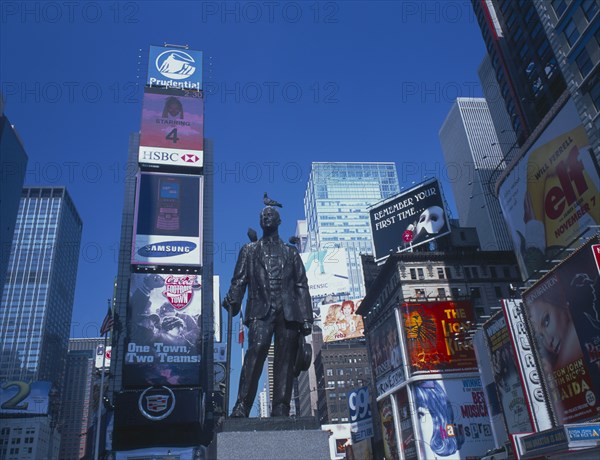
156,403
179,290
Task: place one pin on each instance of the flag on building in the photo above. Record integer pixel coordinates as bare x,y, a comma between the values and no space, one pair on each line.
108,322
241,334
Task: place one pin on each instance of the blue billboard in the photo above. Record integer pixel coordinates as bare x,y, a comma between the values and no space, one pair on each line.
174,67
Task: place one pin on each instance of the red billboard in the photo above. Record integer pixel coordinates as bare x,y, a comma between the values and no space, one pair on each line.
563,309
435,333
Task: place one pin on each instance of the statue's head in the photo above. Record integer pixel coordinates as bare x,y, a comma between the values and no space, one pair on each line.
269,218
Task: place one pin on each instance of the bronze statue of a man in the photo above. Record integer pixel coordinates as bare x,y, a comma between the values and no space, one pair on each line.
278,304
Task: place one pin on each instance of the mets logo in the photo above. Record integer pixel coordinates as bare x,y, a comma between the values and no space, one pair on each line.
179,290
175,64
156,403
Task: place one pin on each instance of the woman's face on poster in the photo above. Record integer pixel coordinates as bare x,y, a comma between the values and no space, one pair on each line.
552,325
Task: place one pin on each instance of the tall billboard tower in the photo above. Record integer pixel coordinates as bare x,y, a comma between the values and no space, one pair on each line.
163,339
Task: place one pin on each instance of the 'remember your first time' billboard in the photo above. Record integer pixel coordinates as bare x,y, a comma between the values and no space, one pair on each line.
409,219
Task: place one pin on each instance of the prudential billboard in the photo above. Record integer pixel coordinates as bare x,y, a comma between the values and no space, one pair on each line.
174,67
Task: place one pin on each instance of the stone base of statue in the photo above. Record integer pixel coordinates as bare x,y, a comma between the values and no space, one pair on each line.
271,438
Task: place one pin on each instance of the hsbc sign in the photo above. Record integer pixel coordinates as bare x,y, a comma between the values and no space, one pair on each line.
152,155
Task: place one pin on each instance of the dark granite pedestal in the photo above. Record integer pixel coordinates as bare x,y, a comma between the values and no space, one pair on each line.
281,438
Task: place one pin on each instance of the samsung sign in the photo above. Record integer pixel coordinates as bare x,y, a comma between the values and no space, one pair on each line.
167,249
171,67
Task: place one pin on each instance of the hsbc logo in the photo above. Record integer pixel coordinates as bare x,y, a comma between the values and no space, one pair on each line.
157,155
149,155
190,158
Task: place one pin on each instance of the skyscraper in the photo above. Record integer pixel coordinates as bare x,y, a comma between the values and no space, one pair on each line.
335,205
37,301
78,404
526,67
573,31
469,141
13,161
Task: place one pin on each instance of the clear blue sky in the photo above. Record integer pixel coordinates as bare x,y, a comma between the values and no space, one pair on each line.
287,83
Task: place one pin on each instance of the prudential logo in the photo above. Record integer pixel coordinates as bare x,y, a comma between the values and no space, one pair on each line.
177,65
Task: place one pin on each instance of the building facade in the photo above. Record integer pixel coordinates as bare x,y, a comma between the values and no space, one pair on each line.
13,163
469,141
335,206
37,301
573,29
78,402
36,309
525,65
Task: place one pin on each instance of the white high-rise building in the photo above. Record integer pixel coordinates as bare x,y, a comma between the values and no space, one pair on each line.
472,151
335,205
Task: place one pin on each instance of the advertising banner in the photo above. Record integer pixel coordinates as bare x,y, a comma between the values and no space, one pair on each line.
550,198
492,400
175,67
163,330
99,356
361,419
506,376
386,416
327,271
408,443
433,332
24,398
386,355
563,309
339,321
410,219
168,224
172,131
453,420
526,363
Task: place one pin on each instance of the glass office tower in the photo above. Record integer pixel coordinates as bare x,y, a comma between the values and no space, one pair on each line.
37,300
335,204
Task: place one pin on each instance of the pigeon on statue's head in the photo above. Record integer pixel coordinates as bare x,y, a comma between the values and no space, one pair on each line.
269,202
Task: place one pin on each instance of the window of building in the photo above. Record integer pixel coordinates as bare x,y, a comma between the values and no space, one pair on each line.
455,292
506,272
590,8
329,372
440,272
595,93
498,290
448,273
413,274
421,273
584,63
420,293
559,7
475,293
441,292
571,33
493,272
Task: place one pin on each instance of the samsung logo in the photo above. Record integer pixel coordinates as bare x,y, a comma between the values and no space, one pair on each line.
167,249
